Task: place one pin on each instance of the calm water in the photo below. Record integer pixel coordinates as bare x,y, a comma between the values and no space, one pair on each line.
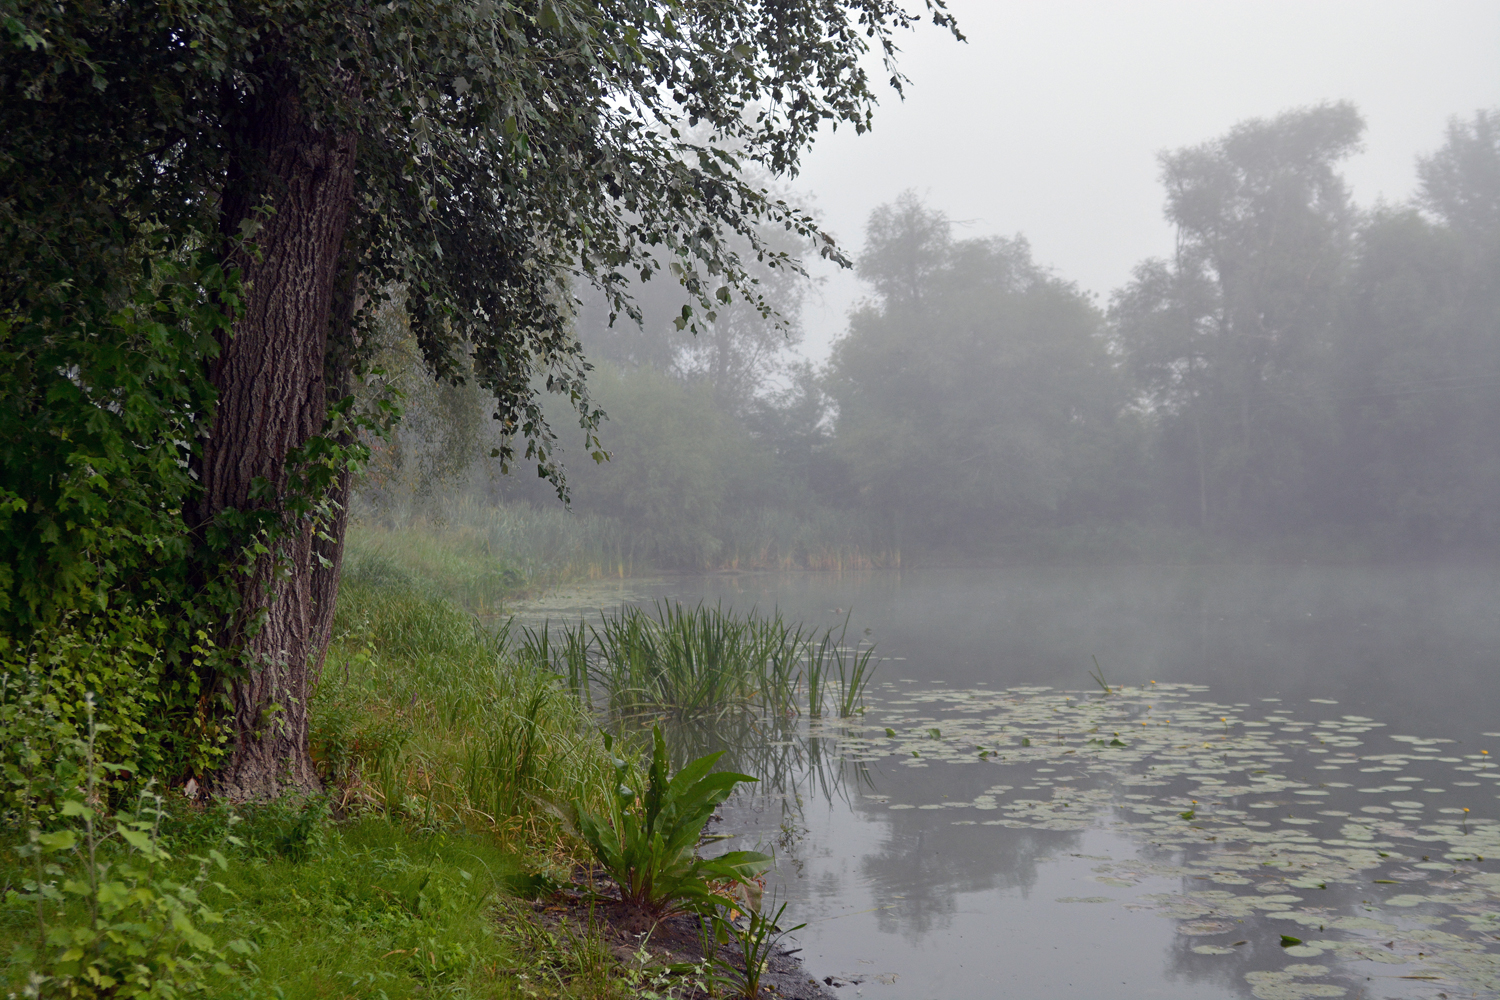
1086,885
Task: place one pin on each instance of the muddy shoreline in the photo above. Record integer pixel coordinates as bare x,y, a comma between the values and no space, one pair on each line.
638,941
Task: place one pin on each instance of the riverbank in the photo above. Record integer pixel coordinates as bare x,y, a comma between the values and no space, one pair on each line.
436,862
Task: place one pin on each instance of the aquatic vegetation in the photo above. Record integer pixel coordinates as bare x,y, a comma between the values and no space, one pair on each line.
830,661
696,662
1332,825
647,841
570,661
689,661
1098,675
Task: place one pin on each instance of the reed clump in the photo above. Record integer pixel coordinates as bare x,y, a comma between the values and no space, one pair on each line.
703,662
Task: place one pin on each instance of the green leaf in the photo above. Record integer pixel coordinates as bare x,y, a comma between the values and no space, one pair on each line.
58,840
740,865
137,839
113,893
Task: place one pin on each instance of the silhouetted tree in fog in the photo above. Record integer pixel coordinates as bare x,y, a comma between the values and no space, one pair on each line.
1227,339
973,392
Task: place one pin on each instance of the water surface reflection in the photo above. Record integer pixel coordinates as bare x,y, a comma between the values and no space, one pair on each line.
908,893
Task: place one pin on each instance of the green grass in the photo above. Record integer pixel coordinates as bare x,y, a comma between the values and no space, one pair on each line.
387,912
425,716
380,910
444,747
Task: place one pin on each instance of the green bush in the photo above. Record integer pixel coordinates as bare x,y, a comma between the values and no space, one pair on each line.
113,655
111,916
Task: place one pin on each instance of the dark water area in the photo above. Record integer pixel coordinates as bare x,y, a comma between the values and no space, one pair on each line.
1331,725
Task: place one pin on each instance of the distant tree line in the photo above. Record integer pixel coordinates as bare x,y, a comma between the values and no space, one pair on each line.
1306,366
1301,372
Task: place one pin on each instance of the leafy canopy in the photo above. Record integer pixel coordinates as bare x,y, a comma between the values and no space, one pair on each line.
505,153
504,148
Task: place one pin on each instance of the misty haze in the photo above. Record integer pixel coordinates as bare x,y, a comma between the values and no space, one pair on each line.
570,499
1268,464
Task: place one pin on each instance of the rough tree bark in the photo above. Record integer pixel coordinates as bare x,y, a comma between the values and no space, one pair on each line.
273,396
328,548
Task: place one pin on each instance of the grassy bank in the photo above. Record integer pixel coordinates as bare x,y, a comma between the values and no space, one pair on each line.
479,834
370,907
425,716
440,750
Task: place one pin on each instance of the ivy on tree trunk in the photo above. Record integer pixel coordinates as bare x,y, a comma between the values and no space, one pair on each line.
296,185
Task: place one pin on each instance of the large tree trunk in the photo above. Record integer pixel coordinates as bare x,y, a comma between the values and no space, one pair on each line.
272,398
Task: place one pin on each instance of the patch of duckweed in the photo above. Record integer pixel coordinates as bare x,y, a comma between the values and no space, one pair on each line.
1217,797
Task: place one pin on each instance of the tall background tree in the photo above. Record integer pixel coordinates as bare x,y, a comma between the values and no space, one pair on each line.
1229,337
1416,358
975,389
299,165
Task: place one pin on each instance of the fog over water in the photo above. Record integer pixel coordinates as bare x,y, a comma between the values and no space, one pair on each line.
905,899
1416,645
1170,355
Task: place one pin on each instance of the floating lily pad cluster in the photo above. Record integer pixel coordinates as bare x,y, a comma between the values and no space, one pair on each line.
1332,838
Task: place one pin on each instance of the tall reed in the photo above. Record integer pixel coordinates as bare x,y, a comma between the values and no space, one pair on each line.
831,661
694,662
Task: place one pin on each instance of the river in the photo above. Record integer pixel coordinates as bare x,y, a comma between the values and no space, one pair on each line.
945,844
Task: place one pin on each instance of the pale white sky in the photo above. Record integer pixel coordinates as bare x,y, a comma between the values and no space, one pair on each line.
1048,121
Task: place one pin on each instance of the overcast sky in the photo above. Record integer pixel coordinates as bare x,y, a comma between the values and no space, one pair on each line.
1048,121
